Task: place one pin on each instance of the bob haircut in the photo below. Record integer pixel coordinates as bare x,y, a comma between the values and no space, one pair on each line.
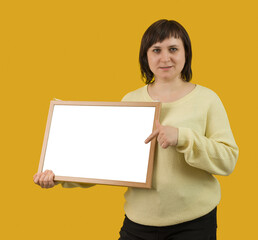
158,32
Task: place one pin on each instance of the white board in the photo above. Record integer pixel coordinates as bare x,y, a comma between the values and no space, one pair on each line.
100,142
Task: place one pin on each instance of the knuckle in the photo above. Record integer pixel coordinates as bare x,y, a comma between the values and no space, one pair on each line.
45,181
41,176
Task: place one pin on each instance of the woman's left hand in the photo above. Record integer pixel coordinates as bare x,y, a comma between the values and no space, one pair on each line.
166,135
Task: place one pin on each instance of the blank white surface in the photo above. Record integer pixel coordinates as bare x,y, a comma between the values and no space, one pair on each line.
101,142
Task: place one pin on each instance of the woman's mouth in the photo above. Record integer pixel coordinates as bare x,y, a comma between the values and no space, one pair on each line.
167,67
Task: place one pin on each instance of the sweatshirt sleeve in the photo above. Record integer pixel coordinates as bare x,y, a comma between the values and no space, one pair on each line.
216,152
75,184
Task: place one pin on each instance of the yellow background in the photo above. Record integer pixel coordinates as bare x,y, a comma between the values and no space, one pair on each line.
88,50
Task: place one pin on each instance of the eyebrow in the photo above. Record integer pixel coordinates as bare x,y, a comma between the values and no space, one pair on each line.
168,46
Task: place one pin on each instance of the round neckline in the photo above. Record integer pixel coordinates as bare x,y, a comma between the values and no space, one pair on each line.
182,99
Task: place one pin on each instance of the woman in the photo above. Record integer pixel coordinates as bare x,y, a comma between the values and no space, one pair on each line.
195,142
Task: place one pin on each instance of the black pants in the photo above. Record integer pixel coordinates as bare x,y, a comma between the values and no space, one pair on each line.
203,228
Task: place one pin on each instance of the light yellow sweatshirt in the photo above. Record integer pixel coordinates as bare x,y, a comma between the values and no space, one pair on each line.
183,185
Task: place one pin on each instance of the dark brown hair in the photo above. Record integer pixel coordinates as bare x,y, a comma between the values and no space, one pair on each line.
158,32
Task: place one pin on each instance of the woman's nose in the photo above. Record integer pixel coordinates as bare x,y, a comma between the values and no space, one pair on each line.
165,56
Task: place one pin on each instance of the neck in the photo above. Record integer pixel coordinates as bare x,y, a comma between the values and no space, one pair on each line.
167,86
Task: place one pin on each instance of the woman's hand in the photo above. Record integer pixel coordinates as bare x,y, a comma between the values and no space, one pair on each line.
166,135
44,179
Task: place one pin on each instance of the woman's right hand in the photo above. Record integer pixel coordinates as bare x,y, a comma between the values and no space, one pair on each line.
44,179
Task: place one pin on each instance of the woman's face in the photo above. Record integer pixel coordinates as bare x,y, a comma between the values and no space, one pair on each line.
167,59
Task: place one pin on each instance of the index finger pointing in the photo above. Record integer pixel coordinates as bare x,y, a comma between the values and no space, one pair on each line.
153,135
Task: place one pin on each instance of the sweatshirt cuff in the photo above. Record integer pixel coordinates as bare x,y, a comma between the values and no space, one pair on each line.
184,139
75,184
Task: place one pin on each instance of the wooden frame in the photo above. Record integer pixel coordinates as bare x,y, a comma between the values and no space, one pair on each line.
74,129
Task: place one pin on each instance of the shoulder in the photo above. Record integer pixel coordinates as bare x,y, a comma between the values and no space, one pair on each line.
136,95
207,91
212,101
208,95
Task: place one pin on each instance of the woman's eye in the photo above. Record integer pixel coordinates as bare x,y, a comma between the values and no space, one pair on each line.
156,50
173,49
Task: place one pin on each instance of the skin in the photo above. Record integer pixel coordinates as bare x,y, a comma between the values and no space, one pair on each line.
169,53
166,60
45,179
166,135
